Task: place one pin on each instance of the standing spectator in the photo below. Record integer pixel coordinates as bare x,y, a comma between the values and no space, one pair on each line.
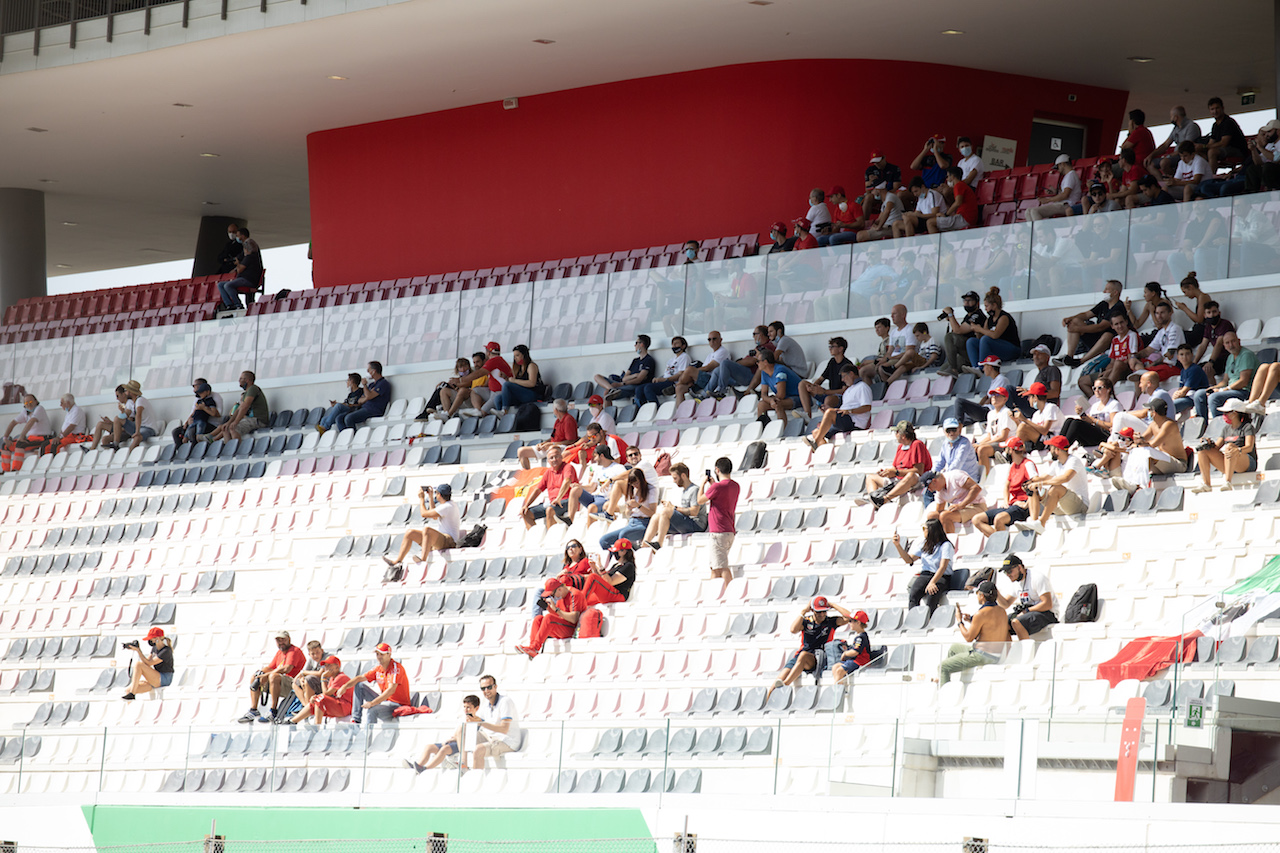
858,654
881,171
392,692
1191,379
650,391
847,219
203,415
1233,452
1034,604
1060,203
1063,489
35,431
1016,500
498,731
685,517
75,426
563,434
278,674
435,754
1093,327
891,211
1226,139
1090,428
556,482
601,586
641,497
1000,427
641,369
564,606
248,274
999,336
250,414
330,700
152,671
779,388
955,342
721,495
1234,383
1139,139
308,681
697,379
986,634
447,533
522,386
830,376
935,553
816,627
932,161
958,498
1163,160
1160,355
910,460
852,412
338,408
1048,418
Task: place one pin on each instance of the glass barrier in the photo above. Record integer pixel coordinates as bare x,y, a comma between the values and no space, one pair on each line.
1169,241
1078,254
732,293
290,343
569,312
8,368
223,349
44,368
500,313
914,261
163,356
101,362
1255,235
425,329
354,335
808,286
651,302
979,260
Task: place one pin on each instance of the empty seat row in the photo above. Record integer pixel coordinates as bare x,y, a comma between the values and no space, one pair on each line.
685,742
156,505
45,564
51,714
256,779
343,739
60,648
622,782
88,535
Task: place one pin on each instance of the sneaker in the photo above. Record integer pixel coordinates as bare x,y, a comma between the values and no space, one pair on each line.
425,414
1033,526
128,697
390,561
413,765
1122,483
813,445
269,718
613,395
525,650
719,395
946,371
1257,407
249,716
1225,487
1201,489
972,371
440,415
654,545
877,500
321,429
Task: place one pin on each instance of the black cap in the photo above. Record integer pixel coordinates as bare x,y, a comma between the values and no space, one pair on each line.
1159,406
972,294
1011,562
987,588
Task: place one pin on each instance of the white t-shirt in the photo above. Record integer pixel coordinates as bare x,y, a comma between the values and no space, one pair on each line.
450,520
819,214
855,397
503,709
39,419
677,365
720,356
596,473
899,339
75,421
149,418
894,204
1079,483
1169,338
1071,183
930,201
1187,171
1051,415
955,483
1097,410
972,163
606,422
998,422
1029,589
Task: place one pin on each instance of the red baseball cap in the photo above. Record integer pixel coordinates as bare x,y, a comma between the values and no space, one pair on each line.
1038,389
383,648
595,400
820,603
1014,443
779,226
861,616
802,222
1127,432
876,155
333,660
837,190
1057,441
552,585
493,346
621,545
991,359
998,391
155,634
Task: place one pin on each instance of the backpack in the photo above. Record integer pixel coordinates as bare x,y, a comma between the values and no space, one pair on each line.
1048,340
591,623
474,538
754,457
662,464
528,418
1083,606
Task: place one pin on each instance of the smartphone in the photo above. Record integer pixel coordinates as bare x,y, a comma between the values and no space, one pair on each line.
708,473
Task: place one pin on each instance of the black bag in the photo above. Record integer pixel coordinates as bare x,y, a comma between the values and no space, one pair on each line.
528,418
393,574
1083,606
474,538
1027,346
755,456
281,294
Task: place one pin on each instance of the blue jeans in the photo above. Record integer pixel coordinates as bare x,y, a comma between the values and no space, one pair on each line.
650,392
364,691
839,238
727,374
354,418
189,433
633,530
980,346
336,411
1208,403
230,296
513,395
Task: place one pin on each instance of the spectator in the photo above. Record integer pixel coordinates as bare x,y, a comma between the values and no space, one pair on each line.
641,498
1092,328
1034,604
1016,500
969,411
35,431
496,372
986,633
1062,490
1265,379
847,219
278,674
1000,427
592,490
649,392
436,505
563,433
140,422
929,203
697,378
248,274
963,210
461,368
1047,374
789,352
858,654
869,367
891,211
1235,382
1225,140
556,482
1095,200
595,436
1163,159
970,164
958,498
819,215
338,408
873,287
852,412
524,385
957,454
830,375
1190,287
816,628
641,369
1131,173
781,242
999,336
922,354
152,671
1192,169
108,424
564,606
780,384
75,426
611,587
881,171
473,388
685,517
1124,343
1152,295
250,414
231,251
1053,204
374,399
330,701
955,342
599,415
1156,449
1047,420
1139,140
1191,379
308,681
498,731
899,340
910,460
435,754
1160,355
1102,252
203,415
720,493
804,239
617,491
1234,452
392,692
1140,418
932,161
935,554
1090,428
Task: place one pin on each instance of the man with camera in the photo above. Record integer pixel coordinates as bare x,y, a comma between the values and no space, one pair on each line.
287,662
153,670
392,692
1034,604
435,505
564,605
986,635
720,492
435,754
955,341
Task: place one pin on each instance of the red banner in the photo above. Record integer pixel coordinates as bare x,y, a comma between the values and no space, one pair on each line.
1130,737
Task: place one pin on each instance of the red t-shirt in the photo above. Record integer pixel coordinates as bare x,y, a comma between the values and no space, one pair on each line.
393,673
565,430
1018,476
912,455
806,242
849,216
497,364
553,480
292,656
1143,142
579,568
1130,176
616,444
968,202
1122,348
722,498
344,700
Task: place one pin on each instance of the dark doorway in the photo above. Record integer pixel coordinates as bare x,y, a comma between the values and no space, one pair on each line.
1049,139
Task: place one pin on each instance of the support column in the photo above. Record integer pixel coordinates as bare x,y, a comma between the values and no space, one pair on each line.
22,245
209,243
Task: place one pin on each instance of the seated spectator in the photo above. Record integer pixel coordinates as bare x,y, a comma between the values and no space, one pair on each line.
563,434
804,239
685,517
151,671
1095,200
338,408
910,460
781,242
957,498
1092,328
595,436
498,731
743,371
819,215
248,274
277,679
696,378
496,372
1090,428
828,383
326,703
1048,418
986,635
641,501
556,483
935,553
1000,427
75,426
250,414
929,203
435,754
374,400
35,431
921,354
649,392
847,219
869,367
779,388
970,164
1140,418
1158,449
230,250
1163,159
1060,202
957,454
1191,170
1160,355
524,385
816,627
999,336
1233,452
107,424
307,682
140,422
955,342
853,411
720,495
1131,175
203,417
1191,379
1203,247
640,371
473,388
564,606
1124,343
891,211
858,654
591,492
631,458
1152,295
435,505
1235,381
1029,594
932,162
970,411
392,691
1016,500
461,369
599,415
1226,141
1047,374
1210,326
789,353
963,210
881,171
1063,489
612,586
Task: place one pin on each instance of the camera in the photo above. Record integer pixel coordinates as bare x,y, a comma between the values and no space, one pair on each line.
942,317
130,645
1020,608
709,477
1204,445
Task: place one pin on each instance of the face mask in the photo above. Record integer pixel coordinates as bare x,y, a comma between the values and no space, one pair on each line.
692,254
29,410
244,386
233,236
239,239
965,151
844,205
677,350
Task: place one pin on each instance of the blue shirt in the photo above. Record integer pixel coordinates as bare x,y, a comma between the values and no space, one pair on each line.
958,455
378,404
780,376
1194,378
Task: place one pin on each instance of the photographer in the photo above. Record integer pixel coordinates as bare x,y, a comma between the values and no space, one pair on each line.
435,754
443,510
278,674
1034,604
153,670
563,605
986,635
601,586
955,342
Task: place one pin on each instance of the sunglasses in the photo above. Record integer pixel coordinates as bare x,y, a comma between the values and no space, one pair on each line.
574,545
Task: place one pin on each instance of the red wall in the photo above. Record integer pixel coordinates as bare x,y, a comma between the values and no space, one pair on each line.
645,162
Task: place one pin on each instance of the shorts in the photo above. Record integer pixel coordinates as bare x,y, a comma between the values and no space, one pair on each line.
791,661
684,524
720,545
1036,620
286,684
449,747
848,667
129,427
841,425
166,678
248,425
1170,466
540,511
331,707
954,222
484,392
313,681
1071,504
586,499
1016,514
496,747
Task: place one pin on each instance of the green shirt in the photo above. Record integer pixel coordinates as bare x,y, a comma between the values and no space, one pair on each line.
1237,364
260,411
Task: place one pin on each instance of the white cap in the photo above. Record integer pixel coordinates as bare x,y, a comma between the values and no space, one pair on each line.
1233,405
1062,158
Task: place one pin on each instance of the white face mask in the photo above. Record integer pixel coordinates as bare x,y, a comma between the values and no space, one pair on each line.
844,205
965,151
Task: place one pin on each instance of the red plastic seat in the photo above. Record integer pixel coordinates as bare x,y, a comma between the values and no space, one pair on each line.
1027,185
1007,190
986,191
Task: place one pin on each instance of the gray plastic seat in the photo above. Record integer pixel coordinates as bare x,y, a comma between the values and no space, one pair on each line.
690,780
452,634
729,700
752,700
901,658
1262,652
704,701
657,743
1231,652
806,587
707,741
634,741
637,782
172,783
779,700
609,743
588,782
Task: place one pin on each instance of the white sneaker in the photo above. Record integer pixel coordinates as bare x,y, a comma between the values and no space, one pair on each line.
440,415
1201,489
1034,526
1257,407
